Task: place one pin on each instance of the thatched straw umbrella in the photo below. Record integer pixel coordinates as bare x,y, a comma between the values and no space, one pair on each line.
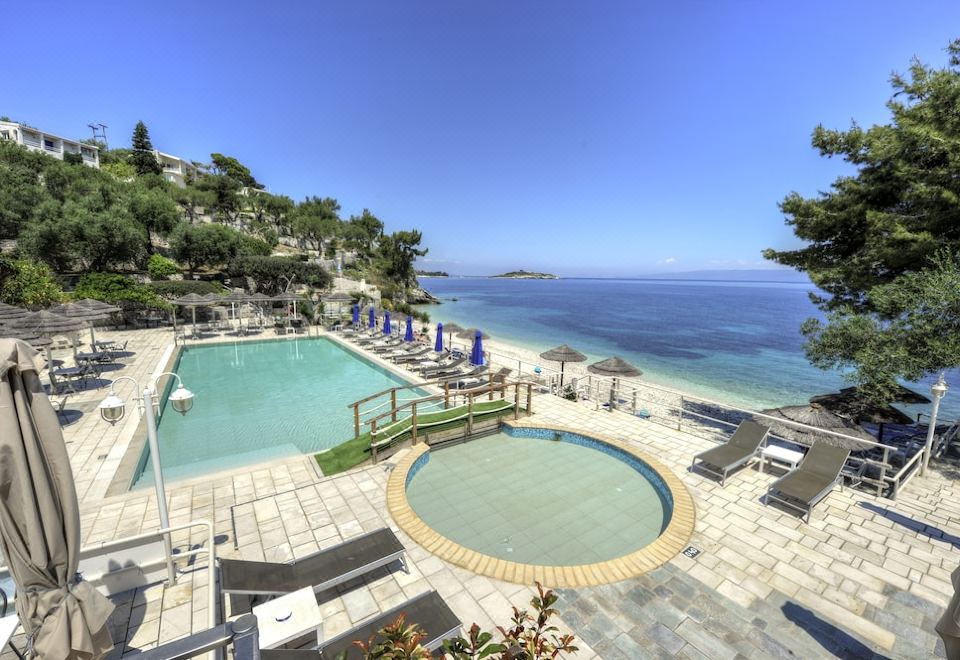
337,298
35,341
615,368
286,297
819,417
83,313
470,333
47,324
849,403
192,300
9,312
234,298
563,354
98,305
451,329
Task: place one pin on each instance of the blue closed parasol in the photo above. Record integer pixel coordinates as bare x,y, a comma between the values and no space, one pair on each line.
438,345
356,314
373,319
386,323
408,335
476,355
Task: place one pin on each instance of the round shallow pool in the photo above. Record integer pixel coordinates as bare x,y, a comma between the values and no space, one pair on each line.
541,497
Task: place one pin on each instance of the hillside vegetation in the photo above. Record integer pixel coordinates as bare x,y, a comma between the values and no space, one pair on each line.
67,217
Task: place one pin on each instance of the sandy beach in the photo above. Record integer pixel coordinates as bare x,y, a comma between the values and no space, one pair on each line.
662,405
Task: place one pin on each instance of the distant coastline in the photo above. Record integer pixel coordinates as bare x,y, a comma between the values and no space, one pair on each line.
432,273
524,275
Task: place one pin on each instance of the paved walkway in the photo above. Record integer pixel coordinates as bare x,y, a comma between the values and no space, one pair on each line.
866,576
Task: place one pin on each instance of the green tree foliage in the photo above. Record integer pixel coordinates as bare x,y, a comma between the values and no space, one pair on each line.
278,209
233,168
21,190
141,156
363,232
84,234
154,210
160,268
192,201
118,290
28,283
273,274
396,255
120,169
914,330
177,288
315,221
880,242
224,196
212,245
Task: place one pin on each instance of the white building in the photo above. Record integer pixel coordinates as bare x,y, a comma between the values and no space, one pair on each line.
175,170
48,143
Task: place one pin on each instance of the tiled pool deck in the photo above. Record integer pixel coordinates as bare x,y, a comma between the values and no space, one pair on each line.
867,576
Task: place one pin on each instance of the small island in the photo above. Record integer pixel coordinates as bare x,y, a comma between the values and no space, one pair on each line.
526,275
432,273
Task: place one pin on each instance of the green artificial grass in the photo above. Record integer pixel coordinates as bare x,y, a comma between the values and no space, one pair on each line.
355,451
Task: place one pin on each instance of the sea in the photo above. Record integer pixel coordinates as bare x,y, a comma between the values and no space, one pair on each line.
736,342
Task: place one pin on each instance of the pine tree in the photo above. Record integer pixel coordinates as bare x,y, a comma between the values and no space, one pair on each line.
142,157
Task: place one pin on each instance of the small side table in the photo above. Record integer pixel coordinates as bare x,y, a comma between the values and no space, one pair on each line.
285,618
781,455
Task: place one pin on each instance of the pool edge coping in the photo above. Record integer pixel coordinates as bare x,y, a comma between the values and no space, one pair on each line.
671,541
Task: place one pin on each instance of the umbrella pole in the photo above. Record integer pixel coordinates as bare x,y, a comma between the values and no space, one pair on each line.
880,433
50,368
194,311
561,375
93,339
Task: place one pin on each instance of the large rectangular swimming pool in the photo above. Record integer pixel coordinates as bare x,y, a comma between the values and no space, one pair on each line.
262,400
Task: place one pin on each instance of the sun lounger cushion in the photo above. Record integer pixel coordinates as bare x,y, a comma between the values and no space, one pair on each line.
742,447
428,611
814,478
320,570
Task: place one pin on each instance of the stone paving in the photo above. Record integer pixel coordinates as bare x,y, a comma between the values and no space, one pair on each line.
866,576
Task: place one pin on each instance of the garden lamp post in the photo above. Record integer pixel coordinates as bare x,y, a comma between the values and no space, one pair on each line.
113,408
937,390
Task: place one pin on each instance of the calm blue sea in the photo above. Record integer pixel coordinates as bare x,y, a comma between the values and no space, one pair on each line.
736,342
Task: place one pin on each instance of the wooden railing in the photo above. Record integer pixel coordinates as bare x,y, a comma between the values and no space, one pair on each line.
391,398
409,417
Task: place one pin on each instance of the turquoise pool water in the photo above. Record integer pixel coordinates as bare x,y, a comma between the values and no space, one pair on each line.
527,497
262,400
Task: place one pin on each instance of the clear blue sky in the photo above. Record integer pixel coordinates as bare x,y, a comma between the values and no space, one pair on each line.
581,138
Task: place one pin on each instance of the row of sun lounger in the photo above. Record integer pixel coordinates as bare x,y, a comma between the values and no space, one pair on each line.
801,489
327,569
419,358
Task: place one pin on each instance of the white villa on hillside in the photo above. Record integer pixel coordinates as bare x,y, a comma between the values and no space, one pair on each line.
175,169
48,143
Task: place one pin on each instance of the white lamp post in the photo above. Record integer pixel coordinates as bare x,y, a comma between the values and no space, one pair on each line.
113,408
937,390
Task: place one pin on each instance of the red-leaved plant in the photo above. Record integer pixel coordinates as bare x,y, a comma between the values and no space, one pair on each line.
529,637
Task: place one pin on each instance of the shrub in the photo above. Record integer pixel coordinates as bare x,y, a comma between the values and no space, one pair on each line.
118,289
28,283
160,268
272,274
212,245
177,288
407,308
525,637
